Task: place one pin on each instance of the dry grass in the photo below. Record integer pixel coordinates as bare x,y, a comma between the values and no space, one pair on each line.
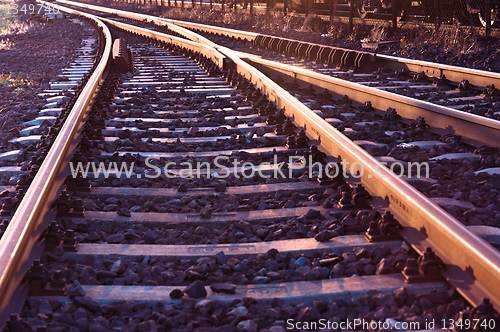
378,32
17,82
273,21
458,39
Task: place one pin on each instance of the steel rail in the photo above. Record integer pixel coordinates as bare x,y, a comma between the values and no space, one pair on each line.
473,266
204,49
18,240
475,77
479,78
148,18
172,24
476,129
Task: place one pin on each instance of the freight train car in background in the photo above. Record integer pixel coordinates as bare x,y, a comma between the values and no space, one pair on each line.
480,8
465,12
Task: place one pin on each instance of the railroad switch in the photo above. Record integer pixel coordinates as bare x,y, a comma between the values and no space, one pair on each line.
386,228
122,58
426,268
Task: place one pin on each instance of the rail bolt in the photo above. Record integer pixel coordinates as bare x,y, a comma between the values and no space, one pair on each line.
430,264
78,208
8,207
280,116
14,324
391,115
291,142
302,139
388,225
441,81
37,277
411,267
421,123
52,236
464,85
373,229
24,181
420,77
388,229
317,156
57,286
63,203
69,241
360,196
271,119
3,227
487,317
346,201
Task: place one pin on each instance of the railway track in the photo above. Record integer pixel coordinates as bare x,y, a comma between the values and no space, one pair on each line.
469,90
248,250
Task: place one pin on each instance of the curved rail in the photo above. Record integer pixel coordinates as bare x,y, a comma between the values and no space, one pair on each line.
204,49
473,265
19,238
172,24
135,16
